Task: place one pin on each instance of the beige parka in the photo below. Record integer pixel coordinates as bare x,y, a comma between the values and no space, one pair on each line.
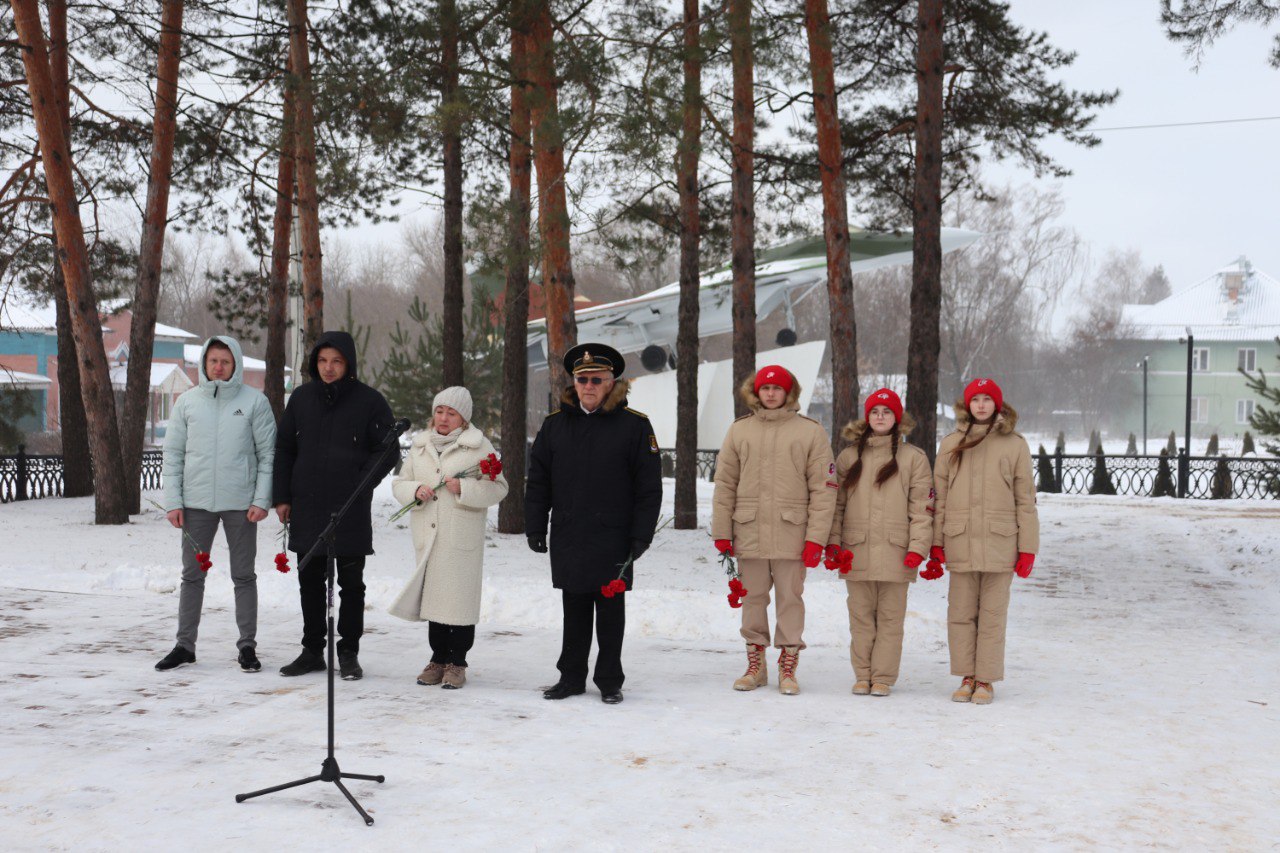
986,501
775,481
880,524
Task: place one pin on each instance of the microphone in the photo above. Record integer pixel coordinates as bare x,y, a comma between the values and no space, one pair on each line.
396,430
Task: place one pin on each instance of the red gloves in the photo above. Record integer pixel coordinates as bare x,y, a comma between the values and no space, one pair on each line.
838,558
912,560
1024,564
812,554
933,568
832,556
936,553
724,546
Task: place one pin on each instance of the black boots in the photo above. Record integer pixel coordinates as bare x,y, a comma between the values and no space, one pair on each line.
248,661
560,690
308,661
349,666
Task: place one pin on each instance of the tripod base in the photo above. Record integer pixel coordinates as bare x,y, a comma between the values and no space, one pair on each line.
329,772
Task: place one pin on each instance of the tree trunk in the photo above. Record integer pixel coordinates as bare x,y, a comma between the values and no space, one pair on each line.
281,234
686,497
743,218
305,164
146,294
926,215
451,338
553,206
515,350
77,467
835,223
73,256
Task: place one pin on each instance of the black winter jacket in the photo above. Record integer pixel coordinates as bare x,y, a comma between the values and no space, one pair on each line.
598,477
329,437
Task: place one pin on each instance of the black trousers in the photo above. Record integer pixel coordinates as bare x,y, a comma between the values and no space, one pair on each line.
350,581
610,617
450,643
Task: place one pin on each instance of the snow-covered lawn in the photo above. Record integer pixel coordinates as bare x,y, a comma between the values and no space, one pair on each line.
1141,707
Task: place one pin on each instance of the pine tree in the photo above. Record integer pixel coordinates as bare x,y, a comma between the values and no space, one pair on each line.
1061,446
1266,419
1247,446
1213,446
1132,449
1172,447
1221,488
1095,443
1101,483
1163,486
1044,473
15,404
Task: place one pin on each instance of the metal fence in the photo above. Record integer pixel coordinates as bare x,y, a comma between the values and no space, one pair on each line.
25,476
28,476
1208,477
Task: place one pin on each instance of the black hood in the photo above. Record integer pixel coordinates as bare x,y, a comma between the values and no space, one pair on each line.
343,343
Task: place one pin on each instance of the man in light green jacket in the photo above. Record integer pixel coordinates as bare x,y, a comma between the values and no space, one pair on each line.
218,453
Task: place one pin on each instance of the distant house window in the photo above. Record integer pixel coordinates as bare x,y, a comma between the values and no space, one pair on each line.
1200,359
1200,410
1247,359
1244,410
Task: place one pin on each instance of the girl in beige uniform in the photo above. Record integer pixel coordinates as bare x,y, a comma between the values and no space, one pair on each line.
985,529
775,492
881,531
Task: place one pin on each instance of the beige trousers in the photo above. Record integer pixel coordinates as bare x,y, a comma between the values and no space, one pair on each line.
787,577
977,611
877,610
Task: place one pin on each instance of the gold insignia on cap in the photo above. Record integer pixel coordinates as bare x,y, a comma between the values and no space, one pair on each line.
586,358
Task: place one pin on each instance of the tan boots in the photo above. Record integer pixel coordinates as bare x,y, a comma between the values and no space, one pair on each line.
983,693
757,673
965,691
432,675
787,661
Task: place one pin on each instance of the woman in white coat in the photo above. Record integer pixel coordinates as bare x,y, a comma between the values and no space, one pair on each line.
448,533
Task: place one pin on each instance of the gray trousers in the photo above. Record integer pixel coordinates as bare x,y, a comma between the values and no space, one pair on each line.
242,543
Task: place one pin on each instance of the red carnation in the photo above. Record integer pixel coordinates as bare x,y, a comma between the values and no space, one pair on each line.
202,557
491,466
736,586
282,563
735,601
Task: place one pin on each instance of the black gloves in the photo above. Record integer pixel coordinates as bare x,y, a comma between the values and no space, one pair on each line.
538,544
638,548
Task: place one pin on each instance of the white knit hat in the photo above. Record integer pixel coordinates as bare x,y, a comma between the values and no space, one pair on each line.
456,398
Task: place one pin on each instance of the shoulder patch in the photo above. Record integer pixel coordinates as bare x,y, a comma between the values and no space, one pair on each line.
634,412
653,443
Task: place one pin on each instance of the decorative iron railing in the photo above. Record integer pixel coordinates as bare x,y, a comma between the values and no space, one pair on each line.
26,476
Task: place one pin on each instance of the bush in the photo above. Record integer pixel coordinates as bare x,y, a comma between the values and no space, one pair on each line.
1048,483
1212,450
1247,445
1163,486
1221,487
1101,483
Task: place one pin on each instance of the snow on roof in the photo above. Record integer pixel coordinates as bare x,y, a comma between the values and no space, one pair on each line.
1236,303
165,376
24,317
18,379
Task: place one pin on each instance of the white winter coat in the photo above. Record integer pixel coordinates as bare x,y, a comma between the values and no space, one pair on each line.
448,531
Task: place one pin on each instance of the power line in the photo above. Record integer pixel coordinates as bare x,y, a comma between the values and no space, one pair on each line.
1183,124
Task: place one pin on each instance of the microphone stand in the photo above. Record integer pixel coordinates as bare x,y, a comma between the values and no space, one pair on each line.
329,770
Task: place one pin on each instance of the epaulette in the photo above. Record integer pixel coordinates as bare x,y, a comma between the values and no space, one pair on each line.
634,412
553,414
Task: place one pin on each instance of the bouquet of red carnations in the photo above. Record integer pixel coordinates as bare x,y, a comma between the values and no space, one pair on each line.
737,591
618,585
489,467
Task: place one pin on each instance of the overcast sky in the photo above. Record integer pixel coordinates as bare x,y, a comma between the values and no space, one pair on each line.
1191,198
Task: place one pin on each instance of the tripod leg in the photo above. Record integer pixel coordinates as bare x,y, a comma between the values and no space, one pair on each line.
365,778
240,798
368,821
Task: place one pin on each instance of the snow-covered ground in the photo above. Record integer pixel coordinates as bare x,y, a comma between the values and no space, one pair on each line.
1141,706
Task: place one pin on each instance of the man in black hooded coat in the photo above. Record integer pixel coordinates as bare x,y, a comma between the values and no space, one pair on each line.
332,433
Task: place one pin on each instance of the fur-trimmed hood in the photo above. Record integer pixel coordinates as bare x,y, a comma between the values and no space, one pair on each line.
854,429
1006,420
747,391
617,397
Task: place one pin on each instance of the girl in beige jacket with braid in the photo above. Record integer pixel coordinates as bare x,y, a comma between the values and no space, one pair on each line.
881,532
775,493
985,529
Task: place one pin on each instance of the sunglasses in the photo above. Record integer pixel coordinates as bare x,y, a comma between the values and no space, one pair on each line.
588,380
